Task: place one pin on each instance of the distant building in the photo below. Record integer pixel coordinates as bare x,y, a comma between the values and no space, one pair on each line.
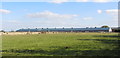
66,30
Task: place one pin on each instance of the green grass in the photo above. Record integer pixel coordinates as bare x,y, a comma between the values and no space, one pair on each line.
61,44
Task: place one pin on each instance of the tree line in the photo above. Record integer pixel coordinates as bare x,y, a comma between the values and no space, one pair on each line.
117,29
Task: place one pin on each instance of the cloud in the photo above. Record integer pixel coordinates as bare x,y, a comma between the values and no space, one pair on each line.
51,15
102,0
58,1
112,11
81,0
109,11
5,11
10,21
98,1
88,18
99,11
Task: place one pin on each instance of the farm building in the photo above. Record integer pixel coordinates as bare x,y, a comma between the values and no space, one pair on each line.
66,30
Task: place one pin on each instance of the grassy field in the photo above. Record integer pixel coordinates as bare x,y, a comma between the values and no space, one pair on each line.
61,44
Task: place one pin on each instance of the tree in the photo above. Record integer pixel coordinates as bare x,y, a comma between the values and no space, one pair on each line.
2,31
105,26
12,31
116,29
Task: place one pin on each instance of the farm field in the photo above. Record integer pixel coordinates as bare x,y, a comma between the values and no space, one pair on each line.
61,44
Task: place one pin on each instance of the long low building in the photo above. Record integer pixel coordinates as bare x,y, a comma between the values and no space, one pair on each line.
66,30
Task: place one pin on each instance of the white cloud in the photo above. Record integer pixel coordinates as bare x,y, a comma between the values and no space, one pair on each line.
98,1
5,11
112,11
53,0
88,18
11,21
81,0
51,15
109,11
58,1
102,0
99,11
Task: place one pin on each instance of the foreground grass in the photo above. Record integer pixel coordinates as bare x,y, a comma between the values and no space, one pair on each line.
62,44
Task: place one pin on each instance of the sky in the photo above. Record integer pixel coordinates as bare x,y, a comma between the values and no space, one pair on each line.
17,15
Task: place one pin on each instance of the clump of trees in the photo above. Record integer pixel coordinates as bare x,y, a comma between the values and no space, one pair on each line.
116,29
2,31
105,26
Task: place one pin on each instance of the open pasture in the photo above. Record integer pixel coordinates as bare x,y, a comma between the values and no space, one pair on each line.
61,44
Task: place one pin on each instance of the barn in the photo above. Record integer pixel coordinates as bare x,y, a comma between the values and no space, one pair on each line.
66,30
